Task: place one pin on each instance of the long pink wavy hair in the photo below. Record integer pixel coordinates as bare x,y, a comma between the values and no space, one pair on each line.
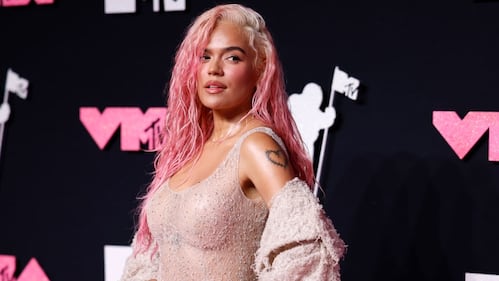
188,124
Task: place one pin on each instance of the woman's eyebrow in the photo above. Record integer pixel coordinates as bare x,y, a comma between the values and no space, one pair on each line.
235,48
228,49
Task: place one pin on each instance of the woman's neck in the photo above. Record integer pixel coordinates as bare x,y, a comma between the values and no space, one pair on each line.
225,128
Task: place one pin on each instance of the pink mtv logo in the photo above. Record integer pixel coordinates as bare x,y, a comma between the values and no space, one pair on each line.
32,271
136,128
463,134
13,3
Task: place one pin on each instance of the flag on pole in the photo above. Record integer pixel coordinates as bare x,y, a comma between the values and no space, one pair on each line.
13,84
344,84
16,84
349,87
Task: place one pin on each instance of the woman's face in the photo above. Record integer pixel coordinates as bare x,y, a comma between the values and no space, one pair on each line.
226,76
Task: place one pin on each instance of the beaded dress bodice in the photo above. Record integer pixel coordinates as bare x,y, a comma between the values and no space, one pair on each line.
211,230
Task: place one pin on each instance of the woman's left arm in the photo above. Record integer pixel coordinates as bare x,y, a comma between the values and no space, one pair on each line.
265,165
299,241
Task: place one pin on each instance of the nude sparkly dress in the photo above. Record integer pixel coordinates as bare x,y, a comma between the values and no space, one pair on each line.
212,232
209,231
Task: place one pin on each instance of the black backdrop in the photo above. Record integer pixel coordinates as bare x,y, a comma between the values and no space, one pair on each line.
406,205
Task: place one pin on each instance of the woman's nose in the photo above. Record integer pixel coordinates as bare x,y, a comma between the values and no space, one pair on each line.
214,67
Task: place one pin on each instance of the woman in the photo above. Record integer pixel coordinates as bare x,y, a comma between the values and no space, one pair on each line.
230,197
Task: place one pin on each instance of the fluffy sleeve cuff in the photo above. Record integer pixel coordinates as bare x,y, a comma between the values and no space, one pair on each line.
299,241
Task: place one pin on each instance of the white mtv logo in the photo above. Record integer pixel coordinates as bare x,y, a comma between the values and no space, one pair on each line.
130,6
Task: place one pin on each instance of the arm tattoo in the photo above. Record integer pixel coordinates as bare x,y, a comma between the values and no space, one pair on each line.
277,157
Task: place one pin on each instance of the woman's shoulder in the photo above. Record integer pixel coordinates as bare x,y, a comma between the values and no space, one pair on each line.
261,141
261,136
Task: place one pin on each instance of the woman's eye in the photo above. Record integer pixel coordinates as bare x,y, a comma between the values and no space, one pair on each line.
234,58
205,58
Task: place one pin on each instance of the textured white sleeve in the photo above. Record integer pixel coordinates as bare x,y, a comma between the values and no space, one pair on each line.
299,241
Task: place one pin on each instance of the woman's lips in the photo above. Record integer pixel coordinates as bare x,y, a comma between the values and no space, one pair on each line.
214,87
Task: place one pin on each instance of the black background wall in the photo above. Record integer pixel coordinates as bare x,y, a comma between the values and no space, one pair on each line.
406,205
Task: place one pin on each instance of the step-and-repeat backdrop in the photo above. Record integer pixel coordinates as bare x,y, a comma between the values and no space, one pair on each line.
398,102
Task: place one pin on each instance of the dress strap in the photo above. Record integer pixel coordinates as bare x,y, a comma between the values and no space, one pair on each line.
265,130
